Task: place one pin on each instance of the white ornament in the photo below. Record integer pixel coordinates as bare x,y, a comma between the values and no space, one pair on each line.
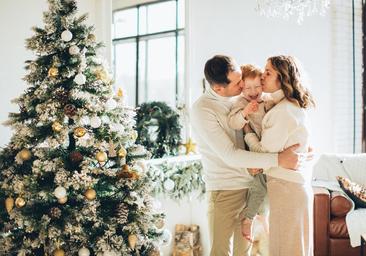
106,120
95,122
66,35
169,185
111,104
73,50
84,252
60,192
80,79
156,205
166,237
85,120
109,253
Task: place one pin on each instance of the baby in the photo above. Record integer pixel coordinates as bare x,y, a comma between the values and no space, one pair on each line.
250,108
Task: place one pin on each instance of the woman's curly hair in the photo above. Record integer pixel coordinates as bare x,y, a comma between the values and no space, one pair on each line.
290,78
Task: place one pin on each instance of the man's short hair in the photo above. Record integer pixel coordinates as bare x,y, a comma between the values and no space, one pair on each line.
217,68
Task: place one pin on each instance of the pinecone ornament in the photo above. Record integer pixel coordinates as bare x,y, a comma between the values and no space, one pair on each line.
122,213
70,110
55,213
62,96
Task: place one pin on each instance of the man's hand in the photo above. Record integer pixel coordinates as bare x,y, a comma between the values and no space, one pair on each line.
289,159
254,171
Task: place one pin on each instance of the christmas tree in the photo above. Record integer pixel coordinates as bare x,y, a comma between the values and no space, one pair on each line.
72,178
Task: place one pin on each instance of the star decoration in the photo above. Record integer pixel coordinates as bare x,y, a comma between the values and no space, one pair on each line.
190,146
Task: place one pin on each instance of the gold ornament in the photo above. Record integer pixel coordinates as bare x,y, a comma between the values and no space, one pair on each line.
90,194
62,200
132,241
120,93
56,126
19,202
25,154
101,156
122,152
154,252
101,74
91,37
79,132
190,146
53,72
9,204
59,252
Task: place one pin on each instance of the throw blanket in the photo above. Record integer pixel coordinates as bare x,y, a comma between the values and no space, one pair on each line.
352,167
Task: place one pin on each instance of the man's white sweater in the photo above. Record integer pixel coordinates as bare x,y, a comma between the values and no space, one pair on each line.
224,164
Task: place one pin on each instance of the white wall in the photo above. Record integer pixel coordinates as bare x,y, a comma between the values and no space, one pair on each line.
16,19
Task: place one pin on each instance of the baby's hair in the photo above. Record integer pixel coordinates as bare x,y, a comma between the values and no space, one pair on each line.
250,71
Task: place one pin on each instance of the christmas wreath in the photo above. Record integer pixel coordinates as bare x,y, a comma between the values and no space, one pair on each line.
158,129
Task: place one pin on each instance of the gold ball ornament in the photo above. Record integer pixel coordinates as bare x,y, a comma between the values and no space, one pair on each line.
19,202
53,72
25,154
132,241
79,132
9,204
122,152
59,252
92,37
90,194
101,156
62,200
56,126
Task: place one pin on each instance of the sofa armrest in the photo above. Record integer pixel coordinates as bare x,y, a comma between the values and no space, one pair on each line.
321,221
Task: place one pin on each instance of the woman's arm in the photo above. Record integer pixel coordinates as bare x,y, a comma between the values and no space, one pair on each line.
276,131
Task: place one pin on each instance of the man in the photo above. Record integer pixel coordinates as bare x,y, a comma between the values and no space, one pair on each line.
224,163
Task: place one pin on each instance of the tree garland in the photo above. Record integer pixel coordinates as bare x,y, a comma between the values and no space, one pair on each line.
176,178
165,140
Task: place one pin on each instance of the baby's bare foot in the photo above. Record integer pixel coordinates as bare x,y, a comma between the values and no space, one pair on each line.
246,229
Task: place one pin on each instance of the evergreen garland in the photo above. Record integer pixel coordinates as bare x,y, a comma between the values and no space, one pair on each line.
168,133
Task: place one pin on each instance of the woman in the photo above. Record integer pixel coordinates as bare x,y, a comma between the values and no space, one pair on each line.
290,194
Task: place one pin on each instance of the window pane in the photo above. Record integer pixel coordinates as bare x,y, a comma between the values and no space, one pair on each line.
142,71
181,60
160,70
161,17
125,23
125,70
143,20
181,13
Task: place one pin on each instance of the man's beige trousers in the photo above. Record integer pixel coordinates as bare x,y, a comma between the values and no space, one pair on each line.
224,225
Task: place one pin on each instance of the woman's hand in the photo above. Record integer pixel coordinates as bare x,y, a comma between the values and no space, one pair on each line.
247,129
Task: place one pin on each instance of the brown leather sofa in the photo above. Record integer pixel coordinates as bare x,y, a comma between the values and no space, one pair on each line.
330,231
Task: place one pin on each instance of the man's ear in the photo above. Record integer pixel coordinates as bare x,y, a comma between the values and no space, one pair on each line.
217,88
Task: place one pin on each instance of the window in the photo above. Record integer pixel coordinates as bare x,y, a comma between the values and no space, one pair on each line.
148,52
347,76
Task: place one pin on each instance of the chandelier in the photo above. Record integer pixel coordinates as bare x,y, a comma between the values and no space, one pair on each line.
287,8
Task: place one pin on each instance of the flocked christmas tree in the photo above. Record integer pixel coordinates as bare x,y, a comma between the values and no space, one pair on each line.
72,180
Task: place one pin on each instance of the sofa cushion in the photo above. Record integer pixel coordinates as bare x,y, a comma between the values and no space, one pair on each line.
339,204
355,191
338,228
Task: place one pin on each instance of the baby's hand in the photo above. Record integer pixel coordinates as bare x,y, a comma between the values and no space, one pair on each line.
254,171
250,108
